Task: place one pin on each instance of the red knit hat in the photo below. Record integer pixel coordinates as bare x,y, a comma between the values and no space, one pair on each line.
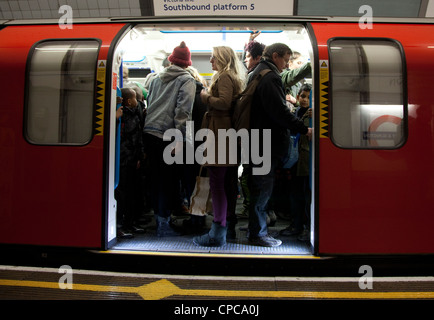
181,56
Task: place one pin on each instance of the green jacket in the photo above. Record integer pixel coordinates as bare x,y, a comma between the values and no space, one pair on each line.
290,78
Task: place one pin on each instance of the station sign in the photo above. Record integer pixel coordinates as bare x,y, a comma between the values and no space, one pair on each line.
223,7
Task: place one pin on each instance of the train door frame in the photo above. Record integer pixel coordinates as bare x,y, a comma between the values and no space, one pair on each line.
109,223
314,152
114,61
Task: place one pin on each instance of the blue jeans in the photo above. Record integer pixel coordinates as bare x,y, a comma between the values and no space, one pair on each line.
261,188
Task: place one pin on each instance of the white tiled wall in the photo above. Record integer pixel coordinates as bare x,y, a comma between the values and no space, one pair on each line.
430,9
40,9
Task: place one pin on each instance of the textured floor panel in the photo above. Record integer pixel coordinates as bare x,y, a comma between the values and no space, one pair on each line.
184,244
150,242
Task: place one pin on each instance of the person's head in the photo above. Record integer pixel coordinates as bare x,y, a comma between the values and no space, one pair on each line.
279,54
224,59
181,56
254,52
196,75
129,97
139,93
125,72
296,61
165,62
304,95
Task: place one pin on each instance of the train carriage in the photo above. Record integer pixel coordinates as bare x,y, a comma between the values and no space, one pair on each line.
371,173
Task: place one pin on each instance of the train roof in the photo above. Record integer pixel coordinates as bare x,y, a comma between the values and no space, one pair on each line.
219,19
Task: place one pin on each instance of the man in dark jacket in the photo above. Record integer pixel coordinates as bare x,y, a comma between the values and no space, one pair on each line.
269,111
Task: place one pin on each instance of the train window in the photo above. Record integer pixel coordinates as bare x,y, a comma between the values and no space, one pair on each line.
60,92
368,105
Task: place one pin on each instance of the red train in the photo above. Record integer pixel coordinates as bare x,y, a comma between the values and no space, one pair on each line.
372,174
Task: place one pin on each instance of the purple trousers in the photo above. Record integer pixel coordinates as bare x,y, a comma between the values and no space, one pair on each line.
224,190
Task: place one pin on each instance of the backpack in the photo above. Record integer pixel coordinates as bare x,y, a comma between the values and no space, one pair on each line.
243,102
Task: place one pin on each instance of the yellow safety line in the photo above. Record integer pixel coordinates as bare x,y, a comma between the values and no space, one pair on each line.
164,288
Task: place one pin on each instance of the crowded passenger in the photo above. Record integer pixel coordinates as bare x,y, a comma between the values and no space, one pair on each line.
144,166
153,74
253,53
177,94
141,106
128,193
190,171
226,84
170,100
292,78
299,187
128,83
269,111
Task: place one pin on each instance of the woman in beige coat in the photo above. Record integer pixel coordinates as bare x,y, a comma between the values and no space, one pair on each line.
226,84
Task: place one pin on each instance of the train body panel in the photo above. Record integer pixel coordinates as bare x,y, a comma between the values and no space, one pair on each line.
372,200
372,178
51,194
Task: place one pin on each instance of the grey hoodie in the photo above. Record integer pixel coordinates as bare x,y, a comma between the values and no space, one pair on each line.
170,100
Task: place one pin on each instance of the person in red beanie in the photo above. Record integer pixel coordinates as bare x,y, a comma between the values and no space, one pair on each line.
181,56
170,101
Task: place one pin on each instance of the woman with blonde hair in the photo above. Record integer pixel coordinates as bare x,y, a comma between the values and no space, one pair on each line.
226,84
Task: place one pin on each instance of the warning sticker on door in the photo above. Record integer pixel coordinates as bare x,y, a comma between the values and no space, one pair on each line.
324,98
100,95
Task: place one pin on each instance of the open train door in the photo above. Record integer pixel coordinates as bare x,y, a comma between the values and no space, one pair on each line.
54,129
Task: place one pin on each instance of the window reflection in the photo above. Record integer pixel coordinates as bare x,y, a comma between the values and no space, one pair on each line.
60,84
367,93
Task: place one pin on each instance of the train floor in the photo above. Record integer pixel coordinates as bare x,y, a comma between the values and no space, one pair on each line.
149,241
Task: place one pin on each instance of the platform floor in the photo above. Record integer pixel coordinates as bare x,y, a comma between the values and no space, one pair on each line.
31,283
